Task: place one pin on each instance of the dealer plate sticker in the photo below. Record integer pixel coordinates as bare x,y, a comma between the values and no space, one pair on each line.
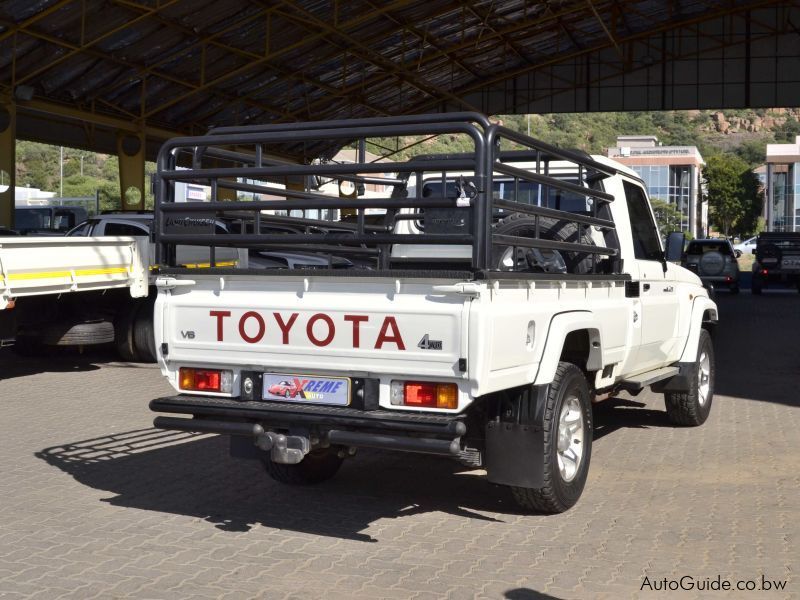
309,389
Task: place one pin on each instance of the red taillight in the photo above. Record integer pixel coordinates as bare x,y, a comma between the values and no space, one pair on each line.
764,272
200,380
420,393
728,279
428,394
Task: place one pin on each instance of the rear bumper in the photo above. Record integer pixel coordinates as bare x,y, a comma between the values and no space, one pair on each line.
724,279
778,276
309,426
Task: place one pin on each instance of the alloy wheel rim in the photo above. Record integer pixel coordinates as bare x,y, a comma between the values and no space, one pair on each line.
704,378
570,438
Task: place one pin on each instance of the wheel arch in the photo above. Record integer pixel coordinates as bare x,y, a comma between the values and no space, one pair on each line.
704,316
571,335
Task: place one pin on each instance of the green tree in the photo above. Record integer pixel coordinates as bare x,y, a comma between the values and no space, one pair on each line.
753,152
788,132
667,216
752,222
731,188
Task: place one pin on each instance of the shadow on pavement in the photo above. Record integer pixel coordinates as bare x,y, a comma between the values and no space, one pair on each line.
620,413
61,360
756,345
527,594
192,474
13,365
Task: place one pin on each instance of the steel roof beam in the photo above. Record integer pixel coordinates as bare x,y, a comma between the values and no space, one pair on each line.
86,45
268,56
368,55
16,27
728,10
138,68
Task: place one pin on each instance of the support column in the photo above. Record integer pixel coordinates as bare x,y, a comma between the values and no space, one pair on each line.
770,197
224,194
693,201
130,150
8,161
791,197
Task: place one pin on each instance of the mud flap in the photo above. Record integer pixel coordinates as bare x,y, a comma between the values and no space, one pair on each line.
515,438
678,383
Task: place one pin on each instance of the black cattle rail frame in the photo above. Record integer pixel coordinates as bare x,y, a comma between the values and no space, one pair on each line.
244,147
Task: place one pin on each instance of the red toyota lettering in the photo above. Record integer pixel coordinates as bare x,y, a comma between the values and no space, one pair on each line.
310,330
383,337
220,314
262,327
285,327
356,320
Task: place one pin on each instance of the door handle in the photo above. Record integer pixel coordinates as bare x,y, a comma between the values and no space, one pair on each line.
646,287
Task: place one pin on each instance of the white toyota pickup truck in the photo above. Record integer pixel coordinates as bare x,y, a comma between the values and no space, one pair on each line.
493,296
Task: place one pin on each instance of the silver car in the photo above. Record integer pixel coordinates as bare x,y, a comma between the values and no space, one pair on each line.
714,261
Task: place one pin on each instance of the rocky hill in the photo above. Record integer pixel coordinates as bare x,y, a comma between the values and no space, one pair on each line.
744,132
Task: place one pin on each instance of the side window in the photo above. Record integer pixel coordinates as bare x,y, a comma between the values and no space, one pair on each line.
81,230
646,243
124,229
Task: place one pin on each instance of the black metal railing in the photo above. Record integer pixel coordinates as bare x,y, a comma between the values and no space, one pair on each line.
244,160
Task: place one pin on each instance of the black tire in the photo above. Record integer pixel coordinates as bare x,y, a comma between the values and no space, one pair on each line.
317,466
558,493
123,332
691,408
522,225
144,341
735,289
89,333
756,287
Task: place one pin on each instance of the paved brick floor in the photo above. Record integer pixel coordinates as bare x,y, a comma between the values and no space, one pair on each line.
95,503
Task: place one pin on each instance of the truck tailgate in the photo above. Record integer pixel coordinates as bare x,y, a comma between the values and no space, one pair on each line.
290,323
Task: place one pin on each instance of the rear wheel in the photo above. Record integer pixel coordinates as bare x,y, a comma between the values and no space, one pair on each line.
692,408
144,341
567,444
87,333
317,466
123,332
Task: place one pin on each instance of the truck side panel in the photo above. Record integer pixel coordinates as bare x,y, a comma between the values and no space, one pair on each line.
516,321
36,266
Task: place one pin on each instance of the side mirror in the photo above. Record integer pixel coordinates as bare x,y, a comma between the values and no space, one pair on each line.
674,250
753,251
737,253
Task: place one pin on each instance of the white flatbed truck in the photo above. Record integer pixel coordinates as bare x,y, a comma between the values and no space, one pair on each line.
40,275
508,291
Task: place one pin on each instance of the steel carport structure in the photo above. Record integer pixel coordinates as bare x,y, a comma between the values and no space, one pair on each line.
121,76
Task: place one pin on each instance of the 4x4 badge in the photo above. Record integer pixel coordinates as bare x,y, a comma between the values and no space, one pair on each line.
426,343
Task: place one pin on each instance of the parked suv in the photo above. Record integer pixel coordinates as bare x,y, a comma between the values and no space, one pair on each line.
777,260
714,261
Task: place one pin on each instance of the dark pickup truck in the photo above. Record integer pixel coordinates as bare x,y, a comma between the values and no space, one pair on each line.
777,260
47,220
